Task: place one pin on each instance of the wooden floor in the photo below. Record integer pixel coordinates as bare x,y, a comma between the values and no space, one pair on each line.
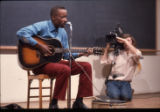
138,101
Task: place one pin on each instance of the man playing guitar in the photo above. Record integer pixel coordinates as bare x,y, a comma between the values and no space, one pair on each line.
61,70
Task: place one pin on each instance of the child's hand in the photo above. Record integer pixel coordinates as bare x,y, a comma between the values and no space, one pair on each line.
121,40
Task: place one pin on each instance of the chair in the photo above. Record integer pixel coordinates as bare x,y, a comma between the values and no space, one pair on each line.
39,77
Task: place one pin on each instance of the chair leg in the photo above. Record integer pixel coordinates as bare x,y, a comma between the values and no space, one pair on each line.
40,93
51,86
28,95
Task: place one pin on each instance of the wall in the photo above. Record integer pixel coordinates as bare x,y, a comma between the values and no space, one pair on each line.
158,23
132,15
14,80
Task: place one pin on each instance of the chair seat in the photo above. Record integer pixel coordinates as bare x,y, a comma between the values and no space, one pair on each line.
40,76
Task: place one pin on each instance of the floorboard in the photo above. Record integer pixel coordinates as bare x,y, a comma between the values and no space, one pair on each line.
150,100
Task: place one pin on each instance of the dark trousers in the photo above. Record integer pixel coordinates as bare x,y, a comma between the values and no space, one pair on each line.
62,71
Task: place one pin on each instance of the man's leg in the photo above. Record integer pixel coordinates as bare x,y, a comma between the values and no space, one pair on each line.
61,72
85,82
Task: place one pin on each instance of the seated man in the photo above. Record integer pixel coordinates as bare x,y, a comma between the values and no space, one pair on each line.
54,28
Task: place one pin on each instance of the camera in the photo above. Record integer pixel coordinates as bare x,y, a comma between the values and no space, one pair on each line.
111,38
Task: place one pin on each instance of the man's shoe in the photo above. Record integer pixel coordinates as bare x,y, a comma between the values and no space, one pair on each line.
79,105
55,106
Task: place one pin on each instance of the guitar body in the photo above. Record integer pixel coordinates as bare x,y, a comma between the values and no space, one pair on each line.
30,57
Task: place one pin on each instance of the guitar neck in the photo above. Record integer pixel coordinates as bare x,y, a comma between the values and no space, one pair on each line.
62,50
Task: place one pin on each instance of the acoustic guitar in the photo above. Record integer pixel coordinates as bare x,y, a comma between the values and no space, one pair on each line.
30,57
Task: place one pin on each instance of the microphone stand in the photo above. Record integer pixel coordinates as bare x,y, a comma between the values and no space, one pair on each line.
70,64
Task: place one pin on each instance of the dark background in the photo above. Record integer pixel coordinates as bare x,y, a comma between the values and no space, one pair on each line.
91,19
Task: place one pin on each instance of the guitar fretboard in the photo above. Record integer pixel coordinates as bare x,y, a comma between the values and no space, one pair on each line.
62,50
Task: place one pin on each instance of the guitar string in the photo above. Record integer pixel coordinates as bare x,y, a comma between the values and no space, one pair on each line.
86,75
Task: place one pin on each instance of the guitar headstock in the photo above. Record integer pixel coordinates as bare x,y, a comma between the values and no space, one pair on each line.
98,51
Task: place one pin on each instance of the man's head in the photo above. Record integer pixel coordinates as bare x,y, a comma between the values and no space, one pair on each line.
59,16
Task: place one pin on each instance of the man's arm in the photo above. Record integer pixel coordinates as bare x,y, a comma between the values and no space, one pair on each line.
89,52
25,35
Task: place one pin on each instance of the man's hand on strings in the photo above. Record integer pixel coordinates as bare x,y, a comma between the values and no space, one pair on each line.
45,49
87,53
